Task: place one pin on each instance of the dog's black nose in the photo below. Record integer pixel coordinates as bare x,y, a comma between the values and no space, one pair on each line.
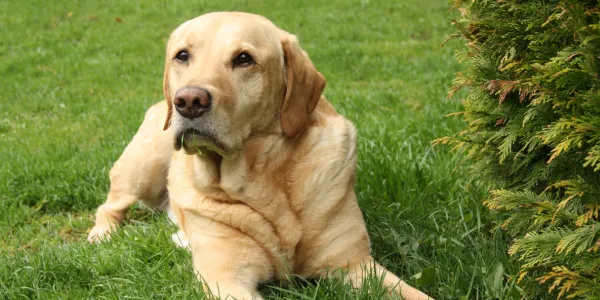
192,102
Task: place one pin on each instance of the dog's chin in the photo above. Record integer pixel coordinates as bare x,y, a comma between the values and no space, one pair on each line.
194,142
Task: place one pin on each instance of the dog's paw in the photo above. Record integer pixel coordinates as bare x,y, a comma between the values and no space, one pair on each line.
99,234
180,239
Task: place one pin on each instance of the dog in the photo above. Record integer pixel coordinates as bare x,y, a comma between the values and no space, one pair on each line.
250,160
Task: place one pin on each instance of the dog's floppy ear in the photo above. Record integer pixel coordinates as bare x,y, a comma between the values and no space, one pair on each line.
303,88
167,93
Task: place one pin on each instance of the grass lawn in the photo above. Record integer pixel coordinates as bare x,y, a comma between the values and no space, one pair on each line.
77,77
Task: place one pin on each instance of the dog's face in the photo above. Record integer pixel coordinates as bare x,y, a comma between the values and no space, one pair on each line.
232,75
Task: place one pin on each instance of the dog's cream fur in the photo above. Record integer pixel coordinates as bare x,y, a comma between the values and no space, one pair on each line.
265,188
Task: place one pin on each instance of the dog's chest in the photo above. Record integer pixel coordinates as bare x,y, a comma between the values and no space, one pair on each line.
231,192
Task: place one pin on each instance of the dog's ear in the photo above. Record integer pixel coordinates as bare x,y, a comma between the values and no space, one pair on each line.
167,93
304,87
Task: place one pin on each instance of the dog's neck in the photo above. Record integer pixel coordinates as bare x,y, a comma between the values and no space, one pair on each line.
270,154
267,161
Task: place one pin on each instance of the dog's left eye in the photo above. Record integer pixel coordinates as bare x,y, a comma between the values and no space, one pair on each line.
242,60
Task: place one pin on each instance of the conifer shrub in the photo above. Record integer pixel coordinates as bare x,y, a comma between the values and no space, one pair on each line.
532,114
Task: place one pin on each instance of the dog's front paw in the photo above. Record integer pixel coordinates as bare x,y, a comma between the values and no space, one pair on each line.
180,239
99,234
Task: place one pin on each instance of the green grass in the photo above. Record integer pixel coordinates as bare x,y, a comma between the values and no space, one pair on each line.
76,79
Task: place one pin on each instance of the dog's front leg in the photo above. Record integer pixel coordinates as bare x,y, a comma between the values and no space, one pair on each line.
229,264
139,174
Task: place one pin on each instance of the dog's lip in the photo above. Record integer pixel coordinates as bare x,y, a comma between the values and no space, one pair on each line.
220,148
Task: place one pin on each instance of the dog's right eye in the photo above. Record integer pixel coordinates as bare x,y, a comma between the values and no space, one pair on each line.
182,55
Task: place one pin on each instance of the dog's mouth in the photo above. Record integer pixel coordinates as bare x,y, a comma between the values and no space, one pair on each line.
196,142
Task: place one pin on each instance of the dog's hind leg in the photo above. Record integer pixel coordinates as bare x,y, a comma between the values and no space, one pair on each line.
139,174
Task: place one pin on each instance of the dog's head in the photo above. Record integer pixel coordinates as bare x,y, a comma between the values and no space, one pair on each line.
229,76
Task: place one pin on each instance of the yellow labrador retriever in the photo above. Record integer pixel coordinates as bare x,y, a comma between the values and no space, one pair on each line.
260,167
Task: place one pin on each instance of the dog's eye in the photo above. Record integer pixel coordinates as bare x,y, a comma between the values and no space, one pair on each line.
242,60
182,56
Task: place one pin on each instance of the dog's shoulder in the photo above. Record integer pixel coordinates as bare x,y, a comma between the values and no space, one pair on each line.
331,132
326,154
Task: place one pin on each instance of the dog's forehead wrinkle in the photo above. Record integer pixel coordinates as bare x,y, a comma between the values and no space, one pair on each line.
193,42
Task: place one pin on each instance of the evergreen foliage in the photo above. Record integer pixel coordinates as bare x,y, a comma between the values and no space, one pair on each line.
532,118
